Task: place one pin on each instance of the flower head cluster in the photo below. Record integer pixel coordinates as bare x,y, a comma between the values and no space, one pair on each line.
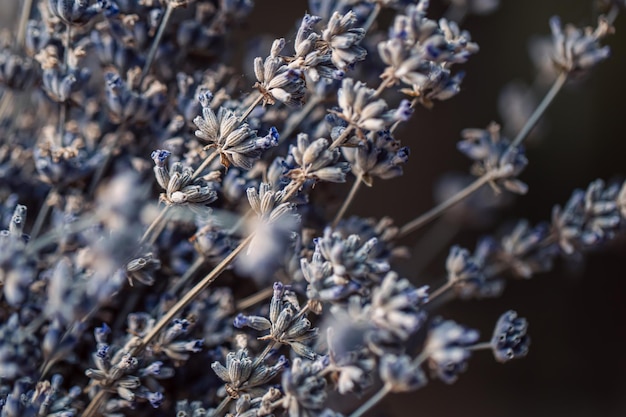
576,50
360,107
181,189
276,80
236,143
380,155
286,322
420,51
494,156
315,161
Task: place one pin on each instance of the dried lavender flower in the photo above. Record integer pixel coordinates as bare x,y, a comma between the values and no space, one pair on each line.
236,143
509,340
494,156
447,349
276,81
576,50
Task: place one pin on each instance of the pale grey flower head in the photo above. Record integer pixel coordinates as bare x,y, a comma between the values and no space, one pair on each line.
447,348
181,189
395,306
342,39
314,160
401,373
237,144
332,52
276,80
360,107
588,218
578,50
241,373
494,156
380,155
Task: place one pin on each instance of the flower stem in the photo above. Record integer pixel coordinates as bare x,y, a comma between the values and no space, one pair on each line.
43,213
94,404
436,211
440,291
255,298
294,121
191,295
207,161
373,400
349,198
218,411
263,354
187,275
250,108
155,223
372,17
21,28
541,108
339,141
155,43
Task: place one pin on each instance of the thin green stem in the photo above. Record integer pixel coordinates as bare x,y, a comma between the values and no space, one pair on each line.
349,198
540,110
155,43
372,401
192,294
438,210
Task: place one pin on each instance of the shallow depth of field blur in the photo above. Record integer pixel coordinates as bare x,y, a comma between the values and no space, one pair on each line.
577,314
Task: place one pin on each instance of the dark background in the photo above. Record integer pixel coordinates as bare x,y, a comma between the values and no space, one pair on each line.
577,362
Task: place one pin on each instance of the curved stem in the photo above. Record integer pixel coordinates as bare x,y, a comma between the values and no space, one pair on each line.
155,43
191,295
372,401
349,198
541,108
436,211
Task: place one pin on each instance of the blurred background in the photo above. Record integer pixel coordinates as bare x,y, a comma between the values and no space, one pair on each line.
577,362
577,314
